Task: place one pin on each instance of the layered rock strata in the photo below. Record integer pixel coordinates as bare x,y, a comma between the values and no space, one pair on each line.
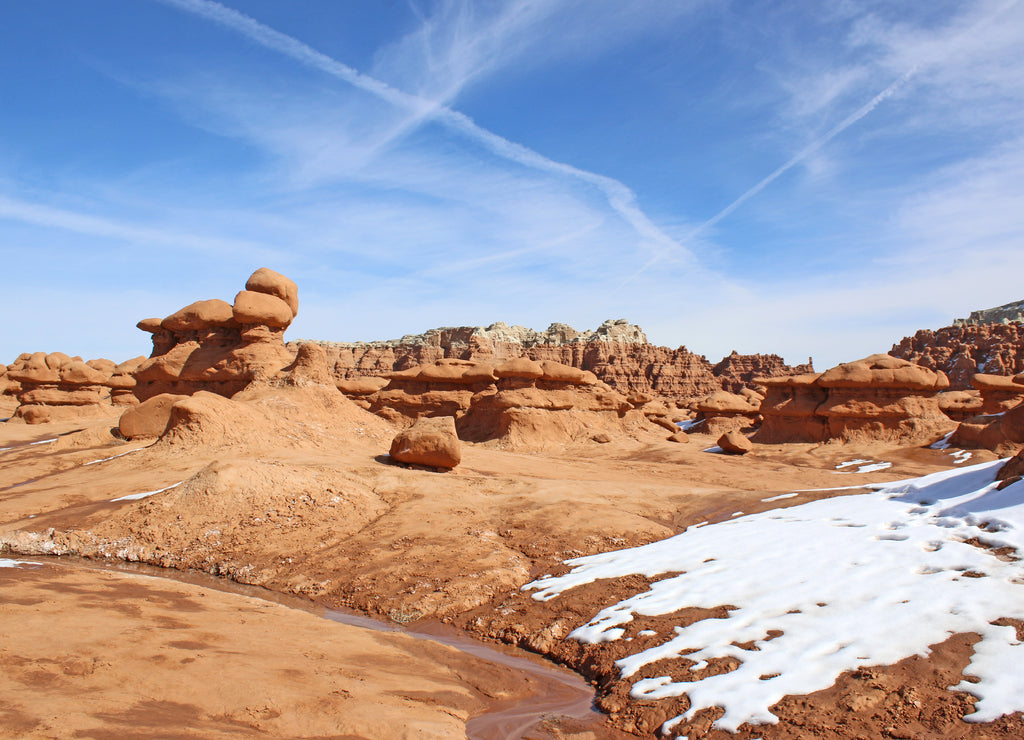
220,347
520,401
56,387
999,315
880,398
617,352
962,351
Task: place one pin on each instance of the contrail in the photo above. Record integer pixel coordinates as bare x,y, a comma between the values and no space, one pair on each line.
790,163
621,199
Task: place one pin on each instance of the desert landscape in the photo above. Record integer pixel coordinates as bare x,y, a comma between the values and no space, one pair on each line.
501,533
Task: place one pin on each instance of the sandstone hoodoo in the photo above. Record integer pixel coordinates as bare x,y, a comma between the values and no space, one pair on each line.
998,392
724,412
56,387
617,352
430,441
788,410
1001,432
518,401
881,398
884,398
960,405
215,346
122,382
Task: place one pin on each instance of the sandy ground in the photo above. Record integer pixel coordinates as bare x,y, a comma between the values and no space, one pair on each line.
314,507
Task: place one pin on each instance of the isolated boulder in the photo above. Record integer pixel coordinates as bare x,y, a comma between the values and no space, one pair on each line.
430,441
735,443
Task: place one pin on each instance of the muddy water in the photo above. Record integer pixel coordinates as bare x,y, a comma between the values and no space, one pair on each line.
562,693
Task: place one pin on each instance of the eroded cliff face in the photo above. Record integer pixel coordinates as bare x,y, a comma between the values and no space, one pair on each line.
962,351
617,352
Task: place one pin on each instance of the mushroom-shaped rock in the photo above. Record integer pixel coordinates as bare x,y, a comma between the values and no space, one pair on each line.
151,325
429,441
735,443
361,386
723,402
559,373
265,280
998,392
197,316
960,405
149,418
883,371
519,367
261,308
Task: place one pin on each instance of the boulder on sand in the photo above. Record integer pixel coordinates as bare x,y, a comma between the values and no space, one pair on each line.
735,443
149,418
430,441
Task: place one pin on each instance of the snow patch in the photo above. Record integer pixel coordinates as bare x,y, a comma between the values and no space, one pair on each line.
145,494
7,563
942,444
859,580
960,457
864,466
113,457
688,424
716,450
780,497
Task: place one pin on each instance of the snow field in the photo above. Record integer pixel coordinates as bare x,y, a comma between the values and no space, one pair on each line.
856,580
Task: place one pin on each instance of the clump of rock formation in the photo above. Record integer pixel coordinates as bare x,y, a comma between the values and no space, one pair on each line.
617,352
56,387
998,393
1001,431
878,398
963,350
519,401
725,412
220,347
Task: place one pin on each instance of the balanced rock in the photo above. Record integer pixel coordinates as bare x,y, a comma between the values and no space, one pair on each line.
430,441
961,405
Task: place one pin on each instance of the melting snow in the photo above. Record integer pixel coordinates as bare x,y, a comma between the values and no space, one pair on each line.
689,424
865,466
942,444
146,494
6,563
715,450
859,580
113,457
780,497
960,457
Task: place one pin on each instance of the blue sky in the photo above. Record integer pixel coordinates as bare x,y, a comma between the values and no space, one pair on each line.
800,178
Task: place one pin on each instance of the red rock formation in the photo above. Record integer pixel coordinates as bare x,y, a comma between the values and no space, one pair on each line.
429,441
8,387
998,392
960,405
878,398
725,412
884,398
738,372
618,353
522,402
788,410
218,347
961,351
55,387
735,443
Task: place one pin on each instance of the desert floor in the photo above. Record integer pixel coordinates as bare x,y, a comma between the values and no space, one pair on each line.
309,505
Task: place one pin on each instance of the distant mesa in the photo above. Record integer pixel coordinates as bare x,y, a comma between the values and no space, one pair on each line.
617,353
1005,314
